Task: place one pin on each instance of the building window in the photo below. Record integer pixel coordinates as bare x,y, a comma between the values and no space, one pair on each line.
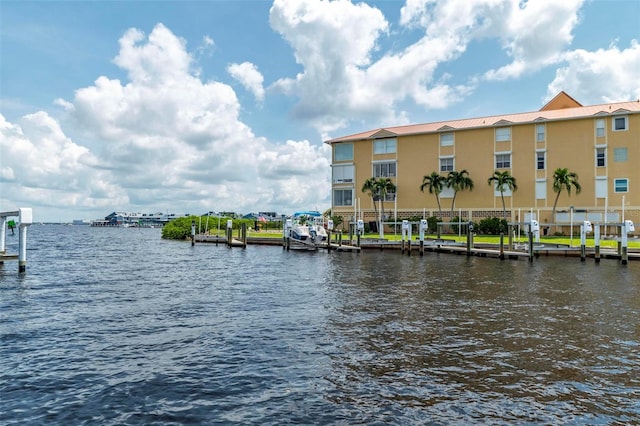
620,123
503,134
387,169
600,128
343,197
384,146
601,187
540,160
601,157
506,191
446,139
620,154
541,189
621,185
503,161
446,164
540,130
343,174
343,152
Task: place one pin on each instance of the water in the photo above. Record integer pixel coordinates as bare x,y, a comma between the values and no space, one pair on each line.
117,326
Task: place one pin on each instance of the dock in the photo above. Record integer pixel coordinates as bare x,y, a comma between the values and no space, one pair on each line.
437,245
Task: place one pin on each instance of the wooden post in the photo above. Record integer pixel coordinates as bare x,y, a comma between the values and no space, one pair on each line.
193,233
501,246
530,245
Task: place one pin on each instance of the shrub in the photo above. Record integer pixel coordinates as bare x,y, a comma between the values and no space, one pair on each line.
492,226
432,223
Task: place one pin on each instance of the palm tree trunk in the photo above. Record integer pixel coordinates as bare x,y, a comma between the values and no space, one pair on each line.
553,212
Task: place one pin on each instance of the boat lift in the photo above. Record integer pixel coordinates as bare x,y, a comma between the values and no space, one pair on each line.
25,219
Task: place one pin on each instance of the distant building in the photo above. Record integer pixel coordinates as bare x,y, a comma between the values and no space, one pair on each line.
145,220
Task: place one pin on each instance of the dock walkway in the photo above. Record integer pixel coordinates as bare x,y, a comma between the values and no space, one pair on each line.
441,245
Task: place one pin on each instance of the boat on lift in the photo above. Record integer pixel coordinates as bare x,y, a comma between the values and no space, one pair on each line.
305,230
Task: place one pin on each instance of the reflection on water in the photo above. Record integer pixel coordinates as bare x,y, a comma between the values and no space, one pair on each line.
116,326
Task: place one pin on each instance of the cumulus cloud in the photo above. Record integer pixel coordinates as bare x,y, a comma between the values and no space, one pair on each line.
334,54
249,76
342,76
522,29
534,34
40,162
346,76
606,75
163,140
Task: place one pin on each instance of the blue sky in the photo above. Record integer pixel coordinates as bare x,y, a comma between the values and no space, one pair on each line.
194,106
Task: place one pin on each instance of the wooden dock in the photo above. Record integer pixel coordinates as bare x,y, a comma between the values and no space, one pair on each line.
436,246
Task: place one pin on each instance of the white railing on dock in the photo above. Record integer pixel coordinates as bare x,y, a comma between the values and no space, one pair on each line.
25,218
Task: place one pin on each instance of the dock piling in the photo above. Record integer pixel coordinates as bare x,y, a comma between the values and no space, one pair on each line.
422,228
584,228
596,242
627,228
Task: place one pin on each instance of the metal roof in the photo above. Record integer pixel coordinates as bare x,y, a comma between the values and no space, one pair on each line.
630,107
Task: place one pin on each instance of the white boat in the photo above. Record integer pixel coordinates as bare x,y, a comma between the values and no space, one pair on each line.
305,230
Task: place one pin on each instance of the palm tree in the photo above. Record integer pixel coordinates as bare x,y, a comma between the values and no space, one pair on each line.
385,186
564,179
434,184
503,180
458,181
371,188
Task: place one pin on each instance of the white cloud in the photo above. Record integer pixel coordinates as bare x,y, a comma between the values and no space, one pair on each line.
534,34
523,28
606,75
41,165
165,140
334,54
249,76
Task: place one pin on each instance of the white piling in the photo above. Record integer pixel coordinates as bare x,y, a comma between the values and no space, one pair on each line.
3,233
596,243
26,219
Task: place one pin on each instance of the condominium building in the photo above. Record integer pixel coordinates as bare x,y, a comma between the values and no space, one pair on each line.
599,143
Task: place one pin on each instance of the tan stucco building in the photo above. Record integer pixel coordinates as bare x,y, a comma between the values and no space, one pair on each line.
600,143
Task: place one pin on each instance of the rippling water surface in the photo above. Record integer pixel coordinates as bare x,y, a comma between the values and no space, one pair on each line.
117,326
